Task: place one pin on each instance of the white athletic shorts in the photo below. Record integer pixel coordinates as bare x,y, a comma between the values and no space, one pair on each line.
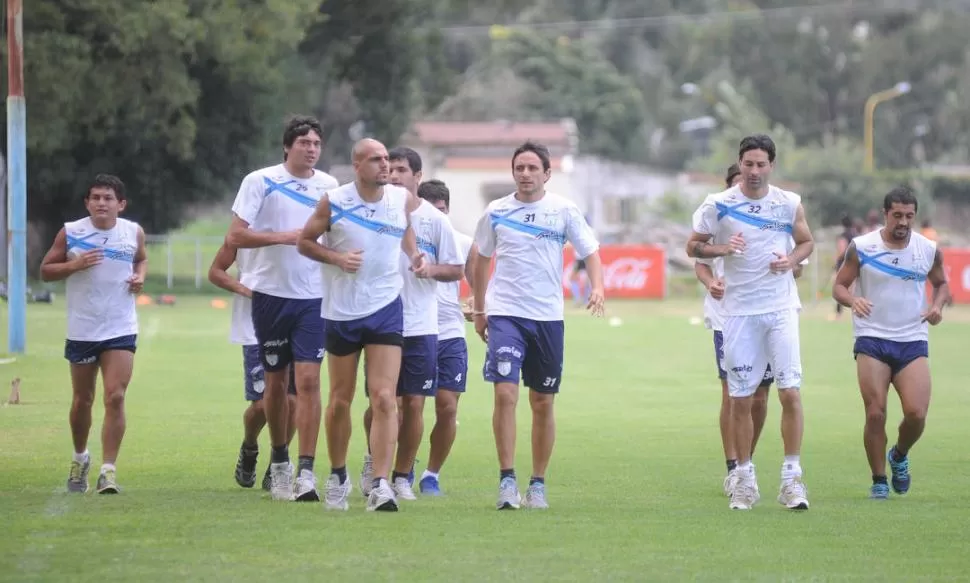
753,342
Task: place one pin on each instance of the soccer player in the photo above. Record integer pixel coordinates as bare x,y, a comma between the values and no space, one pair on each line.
241,332
270,209
710,272
760,306
367,223
522,322
404,171
890,267
452,350
103,259
419,366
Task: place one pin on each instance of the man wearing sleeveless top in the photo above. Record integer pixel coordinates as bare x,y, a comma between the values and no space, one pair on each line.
890,267
751,226
103,259
367,225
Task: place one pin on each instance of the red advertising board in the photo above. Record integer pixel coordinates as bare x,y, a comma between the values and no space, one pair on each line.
629,271
956,262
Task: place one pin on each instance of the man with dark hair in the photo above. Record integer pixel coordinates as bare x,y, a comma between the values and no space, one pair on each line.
269,212
753,227
452,349
254,376
103,259
889,268
710,272
521,319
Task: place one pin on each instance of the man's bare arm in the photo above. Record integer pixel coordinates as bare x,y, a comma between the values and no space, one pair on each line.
804,242
219,272
700,247
241,236
846,276
937,278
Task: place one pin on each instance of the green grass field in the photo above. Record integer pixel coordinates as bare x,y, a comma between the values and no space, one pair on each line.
635,482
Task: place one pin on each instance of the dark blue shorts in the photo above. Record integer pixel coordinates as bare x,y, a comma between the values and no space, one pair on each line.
254,374
719,359
385,327
419,366
527,348
89,352
897,355
452,364
288,330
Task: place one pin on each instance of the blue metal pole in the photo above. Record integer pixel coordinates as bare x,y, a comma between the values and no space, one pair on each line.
16,181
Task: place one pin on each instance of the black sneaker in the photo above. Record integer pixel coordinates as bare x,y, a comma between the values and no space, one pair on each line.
246,467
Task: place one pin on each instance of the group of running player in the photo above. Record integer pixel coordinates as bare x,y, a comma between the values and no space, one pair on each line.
750,241
372,268
387,289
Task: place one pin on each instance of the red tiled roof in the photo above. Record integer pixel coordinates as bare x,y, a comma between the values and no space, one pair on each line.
487,133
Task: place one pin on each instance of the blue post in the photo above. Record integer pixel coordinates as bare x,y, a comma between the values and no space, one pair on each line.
16,181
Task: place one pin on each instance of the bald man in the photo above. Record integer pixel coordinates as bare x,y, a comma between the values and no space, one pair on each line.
367,224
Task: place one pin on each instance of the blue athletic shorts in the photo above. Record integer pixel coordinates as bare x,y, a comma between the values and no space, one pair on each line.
897,355
384,327
254,374
419,366
89,352
452,364
288,330
530,349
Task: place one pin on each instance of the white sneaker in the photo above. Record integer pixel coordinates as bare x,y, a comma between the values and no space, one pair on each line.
535,497
508,495
746,493
794,494
403,490
281,481
730,482
367,475
306,487
382,498
337,493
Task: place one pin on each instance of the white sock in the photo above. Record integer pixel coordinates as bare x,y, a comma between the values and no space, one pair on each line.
427,473
791,468
746,468
82,457
107,468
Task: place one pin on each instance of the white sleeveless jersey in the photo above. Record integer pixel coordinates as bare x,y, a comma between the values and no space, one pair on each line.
894,280
273,200
436,238
99,305
376,228
451,321
766,223
527,241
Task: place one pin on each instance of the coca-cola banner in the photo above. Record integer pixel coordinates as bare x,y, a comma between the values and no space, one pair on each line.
629,271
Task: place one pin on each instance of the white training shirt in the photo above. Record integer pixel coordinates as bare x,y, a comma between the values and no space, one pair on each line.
241,326
99,304
894,280
451,320
436,238
713,309
273,200
766,224
527,240
376,228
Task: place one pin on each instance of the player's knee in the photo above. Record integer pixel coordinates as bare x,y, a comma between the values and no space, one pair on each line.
446,410
875,415
914,414
541,403
114,396
383,403
790,398
506,398
83,400
307,381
